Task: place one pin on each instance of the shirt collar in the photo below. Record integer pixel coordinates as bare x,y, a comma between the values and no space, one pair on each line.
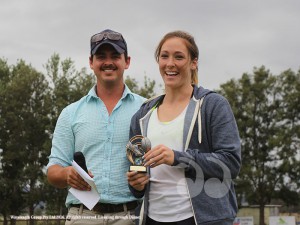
92,93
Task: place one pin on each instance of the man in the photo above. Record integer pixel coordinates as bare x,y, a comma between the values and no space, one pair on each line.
98,126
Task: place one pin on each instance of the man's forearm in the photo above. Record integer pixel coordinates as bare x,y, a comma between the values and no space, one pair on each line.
57,176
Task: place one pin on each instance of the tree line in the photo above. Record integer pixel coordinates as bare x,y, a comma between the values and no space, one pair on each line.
266,108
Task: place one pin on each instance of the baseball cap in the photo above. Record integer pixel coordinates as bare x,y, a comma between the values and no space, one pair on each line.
111,37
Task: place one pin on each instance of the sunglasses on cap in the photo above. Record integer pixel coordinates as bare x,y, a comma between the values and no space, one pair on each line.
114,36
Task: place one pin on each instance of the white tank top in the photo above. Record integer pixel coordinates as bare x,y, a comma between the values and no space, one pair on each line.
168,198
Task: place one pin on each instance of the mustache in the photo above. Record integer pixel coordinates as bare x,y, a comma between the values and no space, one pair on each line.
109,67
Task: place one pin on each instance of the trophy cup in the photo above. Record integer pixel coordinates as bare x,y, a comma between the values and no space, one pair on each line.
135,150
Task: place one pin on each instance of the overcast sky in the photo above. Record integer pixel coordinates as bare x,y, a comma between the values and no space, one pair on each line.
233,36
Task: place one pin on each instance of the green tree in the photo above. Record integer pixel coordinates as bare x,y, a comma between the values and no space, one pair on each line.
24,114
146,91
7,187
288,138
268,123
66,83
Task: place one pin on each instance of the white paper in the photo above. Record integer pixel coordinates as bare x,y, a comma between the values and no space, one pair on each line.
88,198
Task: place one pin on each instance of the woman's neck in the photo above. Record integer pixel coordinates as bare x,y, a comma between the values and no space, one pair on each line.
178,95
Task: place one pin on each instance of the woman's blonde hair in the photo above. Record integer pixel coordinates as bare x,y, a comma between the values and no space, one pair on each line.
190,44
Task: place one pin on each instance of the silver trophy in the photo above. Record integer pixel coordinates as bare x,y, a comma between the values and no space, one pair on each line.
135,150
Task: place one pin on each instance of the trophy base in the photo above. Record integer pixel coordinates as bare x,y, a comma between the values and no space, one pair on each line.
138,168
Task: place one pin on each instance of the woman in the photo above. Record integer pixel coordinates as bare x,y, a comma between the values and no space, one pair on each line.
195,145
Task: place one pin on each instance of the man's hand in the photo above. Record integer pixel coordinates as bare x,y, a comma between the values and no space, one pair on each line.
76,181
62,177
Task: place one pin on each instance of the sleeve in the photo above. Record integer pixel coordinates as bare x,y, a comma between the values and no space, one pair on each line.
63,141
136,193
135,125
220,156
135,130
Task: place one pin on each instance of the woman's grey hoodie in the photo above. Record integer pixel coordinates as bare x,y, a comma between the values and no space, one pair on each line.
210,155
